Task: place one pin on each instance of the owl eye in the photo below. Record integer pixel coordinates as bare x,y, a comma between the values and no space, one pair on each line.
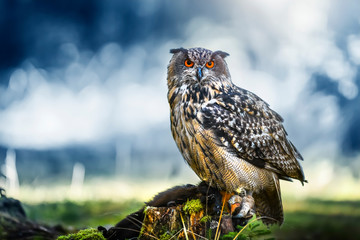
188,63
210,64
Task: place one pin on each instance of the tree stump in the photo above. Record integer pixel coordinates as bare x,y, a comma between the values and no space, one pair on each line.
183,212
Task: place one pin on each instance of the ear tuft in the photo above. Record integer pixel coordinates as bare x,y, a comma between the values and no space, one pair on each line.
176,50
221,54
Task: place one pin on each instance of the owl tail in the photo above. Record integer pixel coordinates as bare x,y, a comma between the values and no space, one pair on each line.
268,203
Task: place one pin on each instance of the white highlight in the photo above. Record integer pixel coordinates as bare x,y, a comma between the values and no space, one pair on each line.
354,48
77,180
10,172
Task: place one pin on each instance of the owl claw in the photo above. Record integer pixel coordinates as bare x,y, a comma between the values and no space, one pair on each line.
247,206
242,207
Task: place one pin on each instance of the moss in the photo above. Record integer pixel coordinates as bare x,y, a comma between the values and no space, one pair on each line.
205,219
145,224
87,234
192,206
166,236
146,209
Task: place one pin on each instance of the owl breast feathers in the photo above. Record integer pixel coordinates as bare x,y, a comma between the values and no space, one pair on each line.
228,135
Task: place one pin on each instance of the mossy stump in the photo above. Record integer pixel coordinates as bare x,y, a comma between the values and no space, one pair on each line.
185,221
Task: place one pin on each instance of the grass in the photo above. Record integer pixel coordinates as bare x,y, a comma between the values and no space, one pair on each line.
306,225
306,219
81,214
320,219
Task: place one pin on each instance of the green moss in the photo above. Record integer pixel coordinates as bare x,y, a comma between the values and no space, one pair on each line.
87,234
146,209
205,219
166,236
193,206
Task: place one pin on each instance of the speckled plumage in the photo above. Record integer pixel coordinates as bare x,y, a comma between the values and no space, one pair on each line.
228,135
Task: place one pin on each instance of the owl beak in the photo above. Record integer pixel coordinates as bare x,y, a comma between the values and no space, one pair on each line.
199,73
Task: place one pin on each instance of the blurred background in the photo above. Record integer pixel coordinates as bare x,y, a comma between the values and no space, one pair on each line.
83,106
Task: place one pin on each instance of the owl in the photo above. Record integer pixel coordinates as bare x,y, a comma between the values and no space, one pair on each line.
229,136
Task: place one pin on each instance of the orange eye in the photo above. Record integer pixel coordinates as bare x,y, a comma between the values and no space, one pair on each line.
188,63
210,64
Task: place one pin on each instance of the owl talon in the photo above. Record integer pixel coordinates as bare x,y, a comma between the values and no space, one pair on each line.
247,206
242,207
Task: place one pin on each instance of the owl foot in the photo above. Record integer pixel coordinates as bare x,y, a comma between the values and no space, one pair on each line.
241,208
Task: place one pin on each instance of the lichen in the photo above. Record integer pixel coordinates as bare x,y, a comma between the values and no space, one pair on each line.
86,234
192,206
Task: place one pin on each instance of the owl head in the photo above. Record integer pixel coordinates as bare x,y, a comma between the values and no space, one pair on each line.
197,66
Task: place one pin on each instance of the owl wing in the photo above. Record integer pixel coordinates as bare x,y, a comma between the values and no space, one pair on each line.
246,126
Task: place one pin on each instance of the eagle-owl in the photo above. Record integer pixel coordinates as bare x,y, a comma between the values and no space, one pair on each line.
229,136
